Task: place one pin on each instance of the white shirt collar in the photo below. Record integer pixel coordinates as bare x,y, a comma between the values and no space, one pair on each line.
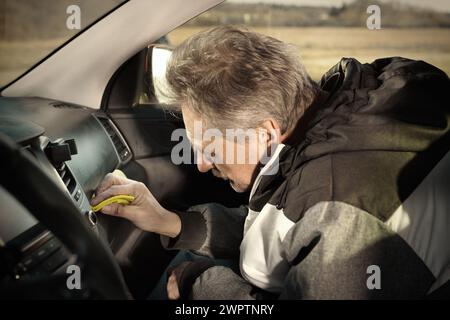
271,167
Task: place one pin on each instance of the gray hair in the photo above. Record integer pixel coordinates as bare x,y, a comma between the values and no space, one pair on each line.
238,78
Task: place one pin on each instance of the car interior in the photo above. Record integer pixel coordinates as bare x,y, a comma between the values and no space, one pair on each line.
54,155
92,106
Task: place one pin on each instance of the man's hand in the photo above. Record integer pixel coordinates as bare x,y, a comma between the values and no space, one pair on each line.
173,293
145,211
182,277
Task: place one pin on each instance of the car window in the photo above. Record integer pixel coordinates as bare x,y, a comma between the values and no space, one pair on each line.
30,29
327,30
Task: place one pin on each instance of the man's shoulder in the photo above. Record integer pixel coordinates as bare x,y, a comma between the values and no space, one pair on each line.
367,180
388,66
364,148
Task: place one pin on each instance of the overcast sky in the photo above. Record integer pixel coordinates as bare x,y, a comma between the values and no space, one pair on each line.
438,5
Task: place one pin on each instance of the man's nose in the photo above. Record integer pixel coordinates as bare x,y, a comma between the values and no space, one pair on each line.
203,164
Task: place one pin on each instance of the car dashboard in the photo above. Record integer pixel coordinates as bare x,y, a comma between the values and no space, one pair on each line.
75,146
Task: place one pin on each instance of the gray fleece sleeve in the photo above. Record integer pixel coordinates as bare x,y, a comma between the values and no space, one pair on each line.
211,230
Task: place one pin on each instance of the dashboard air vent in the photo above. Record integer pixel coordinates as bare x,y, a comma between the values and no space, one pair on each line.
66,177
122,149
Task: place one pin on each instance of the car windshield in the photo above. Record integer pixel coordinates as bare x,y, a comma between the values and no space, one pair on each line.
30,29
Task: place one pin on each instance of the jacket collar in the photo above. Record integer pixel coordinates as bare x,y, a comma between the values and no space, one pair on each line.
272,167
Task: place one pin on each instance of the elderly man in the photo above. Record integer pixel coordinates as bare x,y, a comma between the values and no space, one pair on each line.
353,199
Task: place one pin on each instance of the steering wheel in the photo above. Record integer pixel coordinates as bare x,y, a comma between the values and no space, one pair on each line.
23,177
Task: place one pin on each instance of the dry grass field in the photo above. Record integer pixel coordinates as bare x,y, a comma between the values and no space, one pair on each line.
319,47
322,47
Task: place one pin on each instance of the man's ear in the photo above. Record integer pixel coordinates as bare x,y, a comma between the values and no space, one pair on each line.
272,131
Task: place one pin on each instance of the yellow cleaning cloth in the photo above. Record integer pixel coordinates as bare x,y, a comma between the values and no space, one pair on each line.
120,199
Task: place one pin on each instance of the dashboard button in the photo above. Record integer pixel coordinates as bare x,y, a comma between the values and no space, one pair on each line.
77,195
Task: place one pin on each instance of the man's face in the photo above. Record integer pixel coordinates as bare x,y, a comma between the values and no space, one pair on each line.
235,160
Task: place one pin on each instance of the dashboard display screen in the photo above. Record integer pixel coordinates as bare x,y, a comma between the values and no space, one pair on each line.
14,218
